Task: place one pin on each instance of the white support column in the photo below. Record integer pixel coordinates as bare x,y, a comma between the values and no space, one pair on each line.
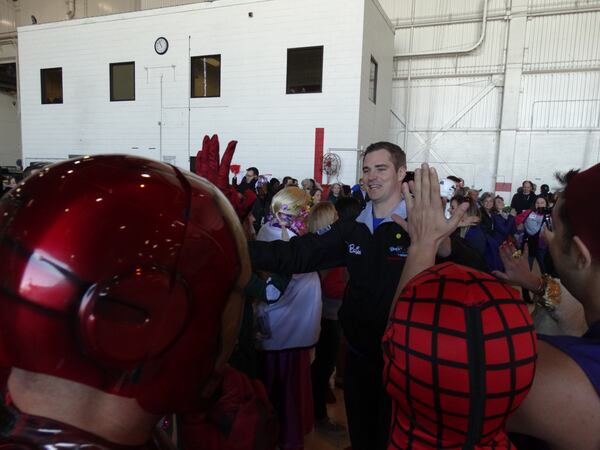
517,27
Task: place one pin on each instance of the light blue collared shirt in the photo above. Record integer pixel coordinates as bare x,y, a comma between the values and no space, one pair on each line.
366,216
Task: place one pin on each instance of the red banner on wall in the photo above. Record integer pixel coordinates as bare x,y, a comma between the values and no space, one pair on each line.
319,142
503,187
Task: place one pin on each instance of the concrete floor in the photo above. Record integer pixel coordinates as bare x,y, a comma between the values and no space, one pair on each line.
319,441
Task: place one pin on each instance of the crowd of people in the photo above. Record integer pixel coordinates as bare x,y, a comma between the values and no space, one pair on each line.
437,295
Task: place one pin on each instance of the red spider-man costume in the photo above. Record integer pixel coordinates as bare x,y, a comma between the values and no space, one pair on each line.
124,277
460,355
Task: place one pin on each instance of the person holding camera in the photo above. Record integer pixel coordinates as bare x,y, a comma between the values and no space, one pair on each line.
532,222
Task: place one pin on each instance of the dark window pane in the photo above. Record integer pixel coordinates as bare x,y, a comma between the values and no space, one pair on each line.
206,76
8,77
304,70
52,91
122,81
373,81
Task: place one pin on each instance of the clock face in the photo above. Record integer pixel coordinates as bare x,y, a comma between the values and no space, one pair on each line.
161,45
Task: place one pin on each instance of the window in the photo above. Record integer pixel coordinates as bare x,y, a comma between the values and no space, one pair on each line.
304,70
8,77
206,76
52,91
122,81
373,81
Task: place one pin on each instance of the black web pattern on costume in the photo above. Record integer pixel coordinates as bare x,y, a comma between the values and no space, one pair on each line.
457,372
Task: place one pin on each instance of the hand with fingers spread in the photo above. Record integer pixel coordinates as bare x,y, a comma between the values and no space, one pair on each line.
426,224
516,267
209,167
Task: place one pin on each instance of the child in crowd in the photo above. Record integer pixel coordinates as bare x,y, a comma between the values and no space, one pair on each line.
288,328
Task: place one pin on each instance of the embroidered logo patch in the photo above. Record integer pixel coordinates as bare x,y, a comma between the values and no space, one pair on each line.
397,250
354,249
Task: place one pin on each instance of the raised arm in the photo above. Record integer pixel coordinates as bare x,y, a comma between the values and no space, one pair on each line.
303,254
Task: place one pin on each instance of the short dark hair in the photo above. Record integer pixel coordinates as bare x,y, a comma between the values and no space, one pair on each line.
455,178
254,170
397,154
563,215
530,184
348,208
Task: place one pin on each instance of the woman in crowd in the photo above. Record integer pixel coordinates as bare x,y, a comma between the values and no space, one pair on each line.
335,192
532,222
288,328
316,195
488,224
469,227
504,221
486,212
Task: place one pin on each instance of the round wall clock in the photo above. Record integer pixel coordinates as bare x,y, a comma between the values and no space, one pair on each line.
161,45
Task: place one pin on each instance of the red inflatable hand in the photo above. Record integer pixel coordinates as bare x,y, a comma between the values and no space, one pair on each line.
209,167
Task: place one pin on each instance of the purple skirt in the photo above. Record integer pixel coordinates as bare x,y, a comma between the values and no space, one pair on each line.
286,375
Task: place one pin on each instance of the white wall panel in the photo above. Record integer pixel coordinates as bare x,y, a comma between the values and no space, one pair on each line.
537,5
9,130
104,7
7,16
488,58
561,41
465,103
399,11
539,155
560,100
464,154
151,4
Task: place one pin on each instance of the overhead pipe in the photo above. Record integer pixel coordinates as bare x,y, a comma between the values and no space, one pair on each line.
8,36
492,17
71,11
453,52
408,79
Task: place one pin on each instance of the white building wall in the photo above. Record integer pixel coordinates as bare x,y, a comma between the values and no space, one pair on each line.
456,105
276,132
378,42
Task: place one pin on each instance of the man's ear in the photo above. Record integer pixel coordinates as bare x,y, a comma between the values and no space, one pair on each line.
401,173
583,257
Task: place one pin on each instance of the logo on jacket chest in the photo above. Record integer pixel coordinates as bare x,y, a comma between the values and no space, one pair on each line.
354,249
397,251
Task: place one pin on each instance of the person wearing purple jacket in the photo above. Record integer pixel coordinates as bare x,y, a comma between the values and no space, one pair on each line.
563,405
